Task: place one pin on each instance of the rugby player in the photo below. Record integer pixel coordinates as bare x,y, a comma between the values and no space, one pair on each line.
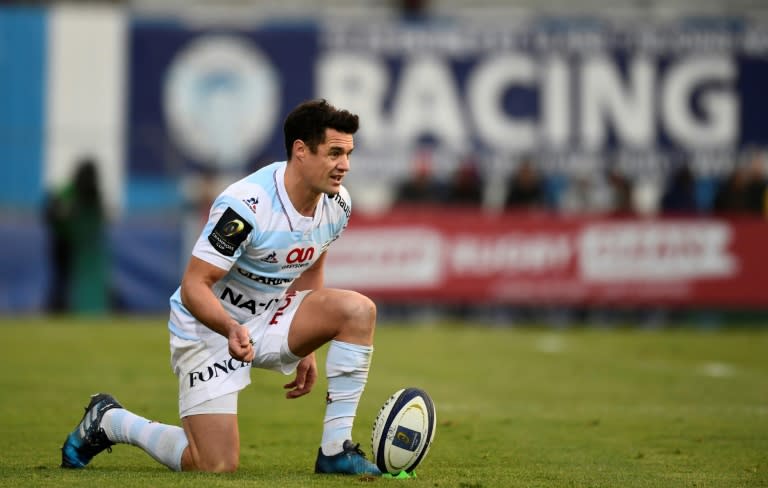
252,296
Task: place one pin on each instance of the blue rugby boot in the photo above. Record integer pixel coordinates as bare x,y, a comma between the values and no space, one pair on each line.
88,438
349,461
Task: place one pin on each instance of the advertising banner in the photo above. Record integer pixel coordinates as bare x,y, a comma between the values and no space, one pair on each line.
454,256
213,99
580,93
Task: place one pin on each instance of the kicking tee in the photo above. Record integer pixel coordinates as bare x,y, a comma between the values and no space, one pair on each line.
254,232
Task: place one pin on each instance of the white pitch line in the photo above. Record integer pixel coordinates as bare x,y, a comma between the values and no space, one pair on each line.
717,369
551,344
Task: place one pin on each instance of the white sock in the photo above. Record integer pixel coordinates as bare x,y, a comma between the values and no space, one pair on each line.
347,369
165,443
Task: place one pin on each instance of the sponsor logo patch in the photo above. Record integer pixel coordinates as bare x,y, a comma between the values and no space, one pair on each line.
343,204
267,280
230,231
271,258
225,367
252,203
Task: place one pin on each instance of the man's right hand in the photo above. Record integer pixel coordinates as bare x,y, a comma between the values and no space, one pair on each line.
240,346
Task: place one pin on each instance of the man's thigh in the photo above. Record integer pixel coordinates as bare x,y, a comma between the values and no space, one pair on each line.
214,443
320,318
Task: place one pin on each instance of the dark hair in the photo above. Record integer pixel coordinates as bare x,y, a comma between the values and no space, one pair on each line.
309,120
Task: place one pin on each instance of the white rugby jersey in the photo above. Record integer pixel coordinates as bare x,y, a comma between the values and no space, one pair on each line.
254,231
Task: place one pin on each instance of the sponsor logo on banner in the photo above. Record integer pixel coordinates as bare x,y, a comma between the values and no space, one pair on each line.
380,258
221,98
656,251
522,260
483,255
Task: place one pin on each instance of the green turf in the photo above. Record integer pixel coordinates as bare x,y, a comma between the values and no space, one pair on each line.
528,407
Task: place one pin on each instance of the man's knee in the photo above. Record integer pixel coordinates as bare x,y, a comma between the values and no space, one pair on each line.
358,314
214,443
209,464
358,309
329,314
219,466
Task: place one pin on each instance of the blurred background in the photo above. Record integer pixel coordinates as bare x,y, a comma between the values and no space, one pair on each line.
547,161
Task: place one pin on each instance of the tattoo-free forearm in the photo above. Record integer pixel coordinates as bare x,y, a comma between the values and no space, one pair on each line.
199,299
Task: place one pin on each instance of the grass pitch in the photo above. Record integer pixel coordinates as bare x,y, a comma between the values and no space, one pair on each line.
528,407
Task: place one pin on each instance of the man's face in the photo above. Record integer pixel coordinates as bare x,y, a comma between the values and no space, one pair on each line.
324,170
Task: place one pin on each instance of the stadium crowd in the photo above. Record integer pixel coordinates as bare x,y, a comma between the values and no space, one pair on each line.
528,187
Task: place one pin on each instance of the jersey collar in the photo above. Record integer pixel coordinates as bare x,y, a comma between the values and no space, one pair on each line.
296,221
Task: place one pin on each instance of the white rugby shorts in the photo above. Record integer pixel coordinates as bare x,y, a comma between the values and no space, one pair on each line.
206,371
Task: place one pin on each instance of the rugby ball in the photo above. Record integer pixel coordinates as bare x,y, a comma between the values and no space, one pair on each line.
403,431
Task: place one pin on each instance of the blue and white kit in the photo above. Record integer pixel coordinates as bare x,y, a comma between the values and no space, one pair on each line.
255,233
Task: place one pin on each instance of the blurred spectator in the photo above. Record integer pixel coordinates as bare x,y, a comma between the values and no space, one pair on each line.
525,189
730,196
647,194
75,218
466,185
621,193
680,194
744,190
414,10
597,192
420,186
582,195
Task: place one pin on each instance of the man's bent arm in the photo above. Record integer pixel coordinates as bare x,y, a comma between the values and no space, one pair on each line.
197,295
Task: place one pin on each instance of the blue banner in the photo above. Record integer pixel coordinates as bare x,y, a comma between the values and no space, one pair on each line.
213,99
576,92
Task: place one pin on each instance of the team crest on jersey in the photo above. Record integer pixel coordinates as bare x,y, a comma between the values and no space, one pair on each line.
252,202
230,231
270,258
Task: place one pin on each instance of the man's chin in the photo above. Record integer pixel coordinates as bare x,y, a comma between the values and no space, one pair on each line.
333,190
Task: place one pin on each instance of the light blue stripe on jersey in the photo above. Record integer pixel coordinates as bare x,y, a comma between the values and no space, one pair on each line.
266,179
180,333
177,310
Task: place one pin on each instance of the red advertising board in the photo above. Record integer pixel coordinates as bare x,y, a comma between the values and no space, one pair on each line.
453,255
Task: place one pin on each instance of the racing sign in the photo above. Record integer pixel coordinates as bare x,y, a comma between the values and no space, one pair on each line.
581,93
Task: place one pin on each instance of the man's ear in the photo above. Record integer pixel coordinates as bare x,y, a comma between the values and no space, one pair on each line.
299,149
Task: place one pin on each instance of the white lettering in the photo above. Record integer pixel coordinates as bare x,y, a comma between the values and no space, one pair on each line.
427,102
412,257
720,105
692,101
509,253
662,252
485,92
358,84
555,102
628,107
